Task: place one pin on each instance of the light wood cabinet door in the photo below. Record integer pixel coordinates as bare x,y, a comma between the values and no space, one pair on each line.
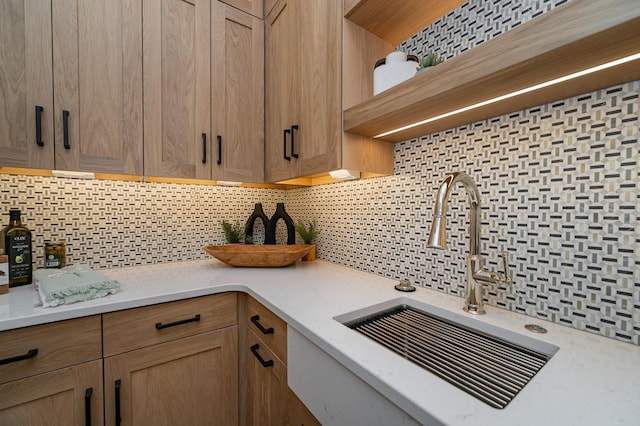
270,402
89,54
303,88
189,381
237,94
176,79
282,89
318,139
97,60
26,84
64,397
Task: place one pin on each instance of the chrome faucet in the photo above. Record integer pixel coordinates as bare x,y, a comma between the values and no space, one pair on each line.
477,275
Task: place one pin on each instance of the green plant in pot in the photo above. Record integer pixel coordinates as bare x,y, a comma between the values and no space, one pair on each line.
428,61
308,235
233,232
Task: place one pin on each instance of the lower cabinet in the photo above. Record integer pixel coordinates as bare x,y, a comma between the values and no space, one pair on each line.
212,360
269,401
68,396
173,364
190,381
51,374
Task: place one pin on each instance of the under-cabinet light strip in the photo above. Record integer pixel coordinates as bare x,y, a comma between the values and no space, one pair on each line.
517,93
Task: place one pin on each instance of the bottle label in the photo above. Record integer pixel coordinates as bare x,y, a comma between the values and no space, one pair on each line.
52,261
19,252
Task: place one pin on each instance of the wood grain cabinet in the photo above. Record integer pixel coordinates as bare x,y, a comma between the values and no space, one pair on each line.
237,93
269,401
304,81
52,374
173,363
72,85
203,90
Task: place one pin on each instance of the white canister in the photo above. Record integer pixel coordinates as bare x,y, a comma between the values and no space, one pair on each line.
394,69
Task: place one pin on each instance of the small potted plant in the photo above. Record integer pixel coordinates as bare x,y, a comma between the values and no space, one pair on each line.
308,235
427,62
233,232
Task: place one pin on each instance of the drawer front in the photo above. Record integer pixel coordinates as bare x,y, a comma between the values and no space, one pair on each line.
132,329
33,350
268,326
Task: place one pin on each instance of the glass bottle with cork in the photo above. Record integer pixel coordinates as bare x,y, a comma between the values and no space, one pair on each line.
16,241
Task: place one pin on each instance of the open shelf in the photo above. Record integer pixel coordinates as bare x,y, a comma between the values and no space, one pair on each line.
573,37
395,21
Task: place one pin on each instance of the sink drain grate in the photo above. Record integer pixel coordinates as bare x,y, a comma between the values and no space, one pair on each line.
488,368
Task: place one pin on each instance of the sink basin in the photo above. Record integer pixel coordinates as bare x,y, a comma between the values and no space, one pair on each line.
488,362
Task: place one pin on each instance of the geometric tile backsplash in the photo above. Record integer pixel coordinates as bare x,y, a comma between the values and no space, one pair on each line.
559,185
560,191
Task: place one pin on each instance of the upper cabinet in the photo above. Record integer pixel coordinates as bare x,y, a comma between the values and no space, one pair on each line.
203,91
65,106
304,96
524,67
303,65
237,94
177,74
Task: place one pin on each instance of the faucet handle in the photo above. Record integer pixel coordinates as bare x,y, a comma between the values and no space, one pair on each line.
507,278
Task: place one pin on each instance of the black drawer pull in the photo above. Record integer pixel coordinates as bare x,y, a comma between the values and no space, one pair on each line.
204,148
117,385
254,351
87,406
285,131
65,129
39,140
30,354
255,319
219,150
160,325
293,140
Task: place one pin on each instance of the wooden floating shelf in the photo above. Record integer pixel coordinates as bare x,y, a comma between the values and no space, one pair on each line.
395,21
573,37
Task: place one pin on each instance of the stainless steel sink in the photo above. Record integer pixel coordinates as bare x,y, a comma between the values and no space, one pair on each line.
488,362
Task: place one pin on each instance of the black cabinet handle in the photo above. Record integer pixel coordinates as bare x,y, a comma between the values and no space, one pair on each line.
219,150
293,140
204,148
254,350
160,325
65,128
286,157
30,354
255,319
117,389
39,140
87,406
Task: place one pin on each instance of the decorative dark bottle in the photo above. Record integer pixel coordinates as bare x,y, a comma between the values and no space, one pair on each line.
17,245
270,235
258,213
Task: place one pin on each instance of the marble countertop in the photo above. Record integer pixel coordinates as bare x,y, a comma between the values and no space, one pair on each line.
591,380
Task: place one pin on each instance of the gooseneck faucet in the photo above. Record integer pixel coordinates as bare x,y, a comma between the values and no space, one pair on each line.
477,275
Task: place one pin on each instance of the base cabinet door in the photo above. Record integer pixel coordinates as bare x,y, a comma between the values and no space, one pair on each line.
68,396
190,381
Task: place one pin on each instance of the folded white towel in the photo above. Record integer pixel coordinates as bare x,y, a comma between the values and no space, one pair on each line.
71,284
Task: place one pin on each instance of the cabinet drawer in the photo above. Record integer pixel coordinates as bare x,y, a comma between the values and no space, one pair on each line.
140,327
41,348
268,326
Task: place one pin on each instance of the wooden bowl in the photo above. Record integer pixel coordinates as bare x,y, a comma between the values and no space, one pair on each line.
251,255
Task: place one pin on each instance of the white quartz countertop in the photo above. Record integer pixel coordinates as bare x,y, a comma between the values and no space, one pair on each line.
591,380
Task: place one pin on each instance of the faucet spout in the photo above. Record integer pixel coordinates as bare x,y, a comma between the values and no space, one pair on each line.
437,234
477,275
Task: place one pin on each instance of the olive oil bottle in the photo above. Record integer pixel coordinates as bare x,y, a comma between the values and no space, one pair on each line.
16,239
